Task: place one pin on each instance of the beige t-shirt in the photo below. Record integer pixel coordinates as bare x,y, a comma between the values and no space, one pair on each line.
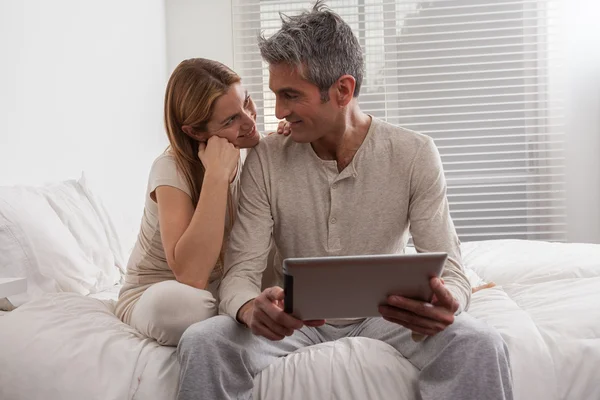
394,185
147,263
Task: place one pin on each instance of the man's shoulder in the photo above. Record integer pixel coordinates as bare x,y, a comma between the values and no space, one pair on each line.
271,149
274,142
400,136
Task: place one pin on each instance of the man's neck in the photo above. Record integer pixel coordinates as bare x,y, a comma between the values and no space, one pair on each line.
342,143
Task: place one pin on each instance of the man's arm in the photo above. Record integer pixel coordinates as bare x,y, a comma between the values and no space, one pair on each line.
249,242
246,259
432,231
431,226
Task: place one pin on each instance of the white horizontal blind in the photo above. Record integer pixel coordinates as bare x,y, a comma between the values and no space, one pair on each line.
479,76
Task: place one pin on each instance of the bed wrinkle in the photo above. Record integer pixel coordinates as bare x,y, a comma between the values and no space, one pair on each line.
533,321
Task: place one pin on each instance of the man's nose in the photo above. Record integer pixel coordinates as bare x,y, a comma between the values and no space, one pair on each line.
281,109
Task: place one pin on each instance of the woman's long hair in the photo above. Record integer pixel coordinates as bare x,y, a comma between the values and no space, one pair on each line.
191,92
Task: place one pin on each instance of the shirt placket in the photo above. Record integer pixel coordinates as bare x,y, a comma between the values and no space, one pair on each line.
336,194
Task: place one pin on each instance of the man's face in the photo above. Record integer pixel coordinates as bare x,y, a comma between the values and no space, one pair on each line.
299,102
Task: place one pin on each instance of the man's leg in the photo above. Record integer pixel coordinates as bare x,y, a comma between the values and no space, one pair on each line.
219,358
468,360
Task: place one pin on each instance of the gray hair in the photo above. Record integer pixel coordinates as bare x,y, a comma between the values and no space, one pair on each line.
320,44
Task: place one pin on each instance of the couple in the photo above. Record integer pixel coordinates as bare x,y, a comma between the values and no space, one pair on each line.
343,182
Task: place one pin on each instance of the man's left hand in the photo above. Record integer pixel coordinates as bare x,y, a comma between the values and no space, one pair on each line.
421,317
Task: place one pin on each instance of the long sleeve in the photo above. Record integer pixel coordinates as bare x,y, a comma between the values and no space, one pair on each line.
250,241
431,226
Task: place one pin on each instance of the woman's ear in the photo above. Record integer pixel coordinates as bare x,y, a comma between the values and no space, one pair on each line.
188,130
199,136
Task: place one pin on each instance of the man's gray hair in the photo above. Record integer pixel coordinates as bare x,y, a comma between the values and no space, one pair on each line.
320,44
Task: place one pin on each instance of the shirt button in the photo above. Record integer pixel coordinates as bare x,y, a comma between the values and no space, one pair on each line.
333,220
334,186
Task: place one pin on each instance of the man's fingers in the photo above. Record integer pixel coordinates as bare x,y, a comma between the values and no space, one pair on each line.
259,328
263,318
279,303
274,293
411,318
413,328
280,317
443,295
422,309
266,302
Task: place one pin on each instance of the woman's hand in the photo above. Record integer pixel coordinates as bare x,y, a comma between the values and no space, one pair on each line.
219,156
283,128
485,286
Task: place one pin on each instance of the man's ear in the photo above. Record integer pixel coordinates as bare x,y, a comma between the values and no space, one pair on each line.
344,92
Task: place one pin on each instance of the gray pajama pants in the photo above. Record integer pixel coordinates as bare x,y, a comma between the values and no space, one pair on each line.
468,360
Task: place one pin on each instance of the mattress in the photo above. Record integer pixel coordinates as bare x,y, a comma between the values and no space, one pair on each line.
67,346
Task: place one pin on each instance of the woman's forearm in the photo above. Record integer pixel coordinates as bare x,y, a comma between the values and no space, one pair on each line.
198,249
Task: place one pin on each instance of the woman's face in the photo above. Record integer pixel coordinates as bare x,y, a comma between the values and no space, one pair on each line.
234,118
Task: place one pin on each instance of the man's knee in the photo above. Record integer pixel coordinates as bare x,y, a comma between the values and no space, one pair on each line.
478,335
213,332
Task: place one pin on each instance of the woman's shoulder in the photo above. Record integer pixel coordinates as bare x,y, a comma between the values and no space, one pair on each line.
164,172
164,160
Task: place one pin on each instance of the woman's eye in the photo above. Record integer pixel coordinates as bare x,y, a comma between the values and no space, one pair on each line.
230,120
246,101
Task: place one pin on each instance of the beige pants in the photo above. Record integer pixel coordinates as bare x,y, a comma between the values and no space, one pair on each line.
166,309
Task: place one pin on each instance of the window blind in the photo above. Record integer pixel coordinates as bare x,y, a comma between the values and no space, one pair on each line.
481,77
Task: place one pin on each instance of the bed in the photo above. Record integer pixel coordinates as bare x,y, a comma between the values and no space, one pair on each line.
68,344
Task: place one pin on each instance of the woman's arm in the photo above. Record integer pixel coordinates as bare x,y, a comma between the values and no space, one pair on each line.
192,238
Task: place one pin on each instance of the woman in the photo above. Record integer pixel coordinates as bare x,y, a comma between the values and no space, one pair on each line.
191,201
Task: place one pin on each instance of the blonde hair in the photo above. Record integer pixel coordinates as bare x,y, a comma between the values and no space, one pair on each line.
191,92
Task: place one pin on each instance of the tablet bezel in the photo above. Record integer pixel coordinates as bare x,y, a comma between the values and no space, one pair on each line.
338,287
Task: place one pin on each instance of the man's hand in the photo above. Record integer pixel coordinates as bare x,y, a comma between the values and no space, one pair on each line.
421,317
265,316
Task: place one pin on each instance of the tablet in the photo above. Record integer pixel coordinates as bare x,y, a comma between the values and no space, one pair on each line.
354,286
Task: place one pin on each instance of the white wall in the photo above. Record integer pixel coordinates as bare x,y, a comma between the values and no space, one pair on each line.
199,28
81,89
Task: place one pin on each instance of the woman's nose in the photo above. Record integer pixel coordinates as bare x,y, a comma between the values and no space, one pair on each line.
247,120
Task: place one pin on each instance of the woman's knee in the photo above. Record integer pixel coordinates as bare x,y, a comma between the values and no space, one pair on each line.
171,307
173,299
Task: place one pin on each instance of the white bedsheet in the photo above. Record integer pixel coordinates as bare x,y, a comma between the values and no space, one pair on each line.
67,346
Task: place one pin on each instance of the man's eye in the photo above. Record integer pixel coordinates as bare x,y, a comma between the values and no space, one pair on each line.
289,96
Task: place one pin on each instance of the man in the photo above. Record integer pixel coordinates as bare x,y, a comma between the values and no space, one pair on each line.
342,183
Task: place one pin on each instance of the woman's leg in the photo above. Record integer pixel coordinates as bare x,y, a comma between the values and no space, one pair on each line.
166,309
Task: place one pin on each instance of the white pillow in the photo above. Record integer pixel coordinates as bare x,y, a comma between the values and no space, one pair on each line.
60,238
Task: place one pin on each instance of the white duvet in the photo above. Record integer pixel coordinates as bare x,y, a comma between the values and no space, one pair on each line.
547,308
